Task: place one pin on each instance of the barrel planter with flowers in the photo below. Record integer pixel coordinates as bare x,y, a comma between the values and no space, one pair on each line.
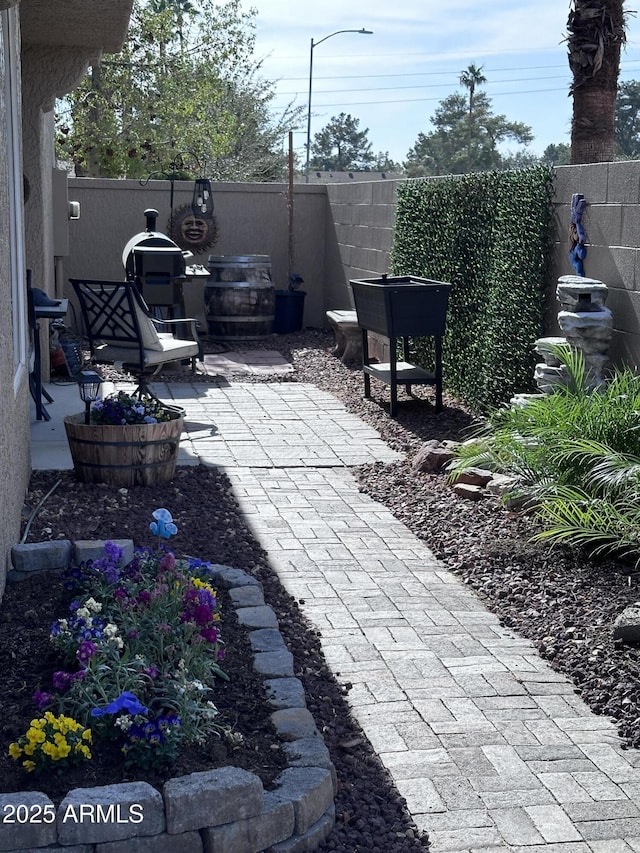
129,441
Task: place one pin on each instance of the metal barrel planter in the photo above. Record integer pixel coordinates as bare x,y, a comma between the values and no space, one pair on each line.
239,297
124,455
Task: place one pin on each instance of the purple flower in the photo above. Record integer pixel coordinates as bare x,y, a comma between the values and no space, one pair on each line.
210,634
86,650
114,552
126,701
41,700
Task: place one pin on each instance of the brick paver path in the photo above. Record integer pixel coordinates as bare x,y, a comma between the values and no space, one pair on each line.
491,748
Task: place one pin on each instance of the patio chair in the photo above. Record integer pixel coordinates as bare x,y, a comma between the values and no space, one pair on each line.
122,331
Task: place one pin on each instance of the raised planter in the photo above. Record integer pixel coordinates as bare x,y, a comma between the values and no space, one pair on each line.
401,307
127,455
225,810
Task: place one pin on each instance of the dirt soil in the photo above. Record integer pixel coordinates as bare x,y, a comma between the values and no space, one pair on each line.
563,601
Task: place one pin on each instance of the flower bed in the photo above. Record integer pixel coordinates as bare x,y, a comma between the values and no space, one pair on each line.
227,807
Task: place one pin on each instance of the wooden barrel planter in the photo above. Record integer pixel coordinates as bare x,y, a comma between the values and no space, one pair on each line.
127,455
240,297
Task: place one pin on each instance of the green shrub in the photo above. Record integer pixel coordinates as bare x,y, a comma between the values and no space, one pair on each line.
576,455
489,235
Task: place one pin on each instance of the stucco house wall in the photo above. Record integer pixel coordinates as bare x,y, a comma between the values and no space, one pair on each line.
45,50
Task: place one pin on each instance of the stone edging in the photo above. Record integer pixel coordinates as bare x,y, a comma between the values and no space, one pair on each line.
217,811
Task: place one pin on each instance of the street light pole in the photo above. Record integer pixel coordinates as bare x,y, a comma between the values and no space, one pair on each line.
362,32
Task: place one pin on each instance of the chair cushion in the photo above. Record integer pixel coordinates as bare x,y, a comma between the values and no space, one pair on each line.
172,350
150,337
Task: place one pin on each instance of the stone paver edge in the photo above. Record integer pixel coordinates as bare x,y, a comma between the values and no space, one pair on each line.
223,810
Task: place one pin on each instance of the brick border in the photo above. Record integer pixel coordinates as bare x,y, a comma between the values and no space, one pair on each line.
225,810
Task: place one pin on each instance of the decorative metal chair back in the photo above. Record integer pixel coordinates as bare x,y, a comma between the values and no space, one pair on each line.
121,330
109,314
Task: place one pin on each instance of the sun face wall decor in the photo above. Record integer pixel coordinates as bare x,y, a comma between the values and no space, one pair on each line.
192,231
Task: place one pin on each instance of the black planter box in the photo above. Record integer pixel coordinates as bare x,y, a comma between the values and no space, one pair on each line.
401,307
398,306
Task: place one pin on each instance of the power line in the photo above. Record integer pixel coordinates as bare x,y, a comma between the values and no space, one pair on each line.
422,100
420,86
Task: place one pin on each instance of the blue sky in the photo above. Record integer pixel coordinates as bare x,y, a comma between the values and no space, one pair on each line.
392,81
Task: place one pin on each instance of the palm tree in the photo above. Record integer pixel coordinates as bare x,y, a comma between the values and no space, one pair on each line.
596,32
471,77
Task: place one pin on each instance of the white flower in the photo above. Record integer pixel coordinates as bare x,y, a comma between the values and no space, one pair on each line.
124,722
84,613
93,605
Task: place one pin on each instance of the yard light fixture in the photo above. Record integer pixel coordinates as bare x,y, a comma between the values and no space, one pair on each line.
362,32
89,383
202,203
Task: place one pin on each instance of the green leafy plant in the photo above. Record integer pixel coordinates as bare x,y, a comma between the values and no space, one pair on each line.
576,455
489,235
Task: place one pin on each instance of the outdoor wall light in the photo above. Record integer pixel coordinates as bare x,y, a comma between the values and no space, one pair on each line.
202,204
89,383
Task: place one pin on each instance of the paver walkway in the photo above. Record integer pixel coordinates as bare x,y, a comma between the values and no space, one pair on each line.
490,747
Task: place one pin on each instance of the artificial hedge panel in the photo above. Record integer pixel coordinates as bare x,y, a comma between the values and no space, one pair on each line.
489,235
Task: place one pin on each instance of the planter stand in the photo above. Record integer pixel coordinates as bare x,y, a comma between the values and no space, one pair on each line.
400,308
396,372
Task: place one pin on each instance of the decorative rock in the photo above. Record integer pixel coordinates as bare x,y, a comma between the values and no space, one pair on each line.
278,664
274,824
186,842
627,625
294,723
310,789
110,813
266,640
548,378
211,798
432,457
571,288
93,549
30,833
257,617
474,476
501,484
471,493
247,596
41,556
544,348
523,400
285,693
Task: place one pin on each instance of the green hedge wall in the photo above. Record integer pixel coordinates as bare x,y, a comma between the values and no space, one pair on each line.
489,235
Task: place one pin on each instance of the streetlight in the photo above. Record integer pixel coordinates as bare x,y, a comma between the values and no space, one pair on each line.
362,32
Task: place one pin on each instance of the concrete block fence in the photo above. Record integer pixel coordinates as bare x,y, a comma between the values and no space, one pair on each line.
224,810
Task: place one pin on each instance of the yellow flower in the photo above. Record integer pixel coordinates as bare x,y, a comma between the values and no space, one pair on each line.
14,750
35,735
29,748
86,735
29,766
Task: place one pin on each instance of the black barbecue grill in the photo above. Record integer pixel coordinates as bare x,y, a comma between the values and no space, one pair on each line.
158,267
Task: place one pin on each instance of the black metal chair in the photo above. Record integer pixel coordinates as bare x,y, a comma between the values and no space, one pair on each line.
122,331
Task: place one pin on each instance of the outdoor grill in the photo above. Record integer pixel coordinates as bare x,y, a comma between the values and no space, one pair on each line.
157,265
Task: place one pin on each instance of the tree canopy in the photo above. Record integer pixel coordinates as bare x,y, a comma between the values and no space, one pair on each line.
341,146
467,135
184,96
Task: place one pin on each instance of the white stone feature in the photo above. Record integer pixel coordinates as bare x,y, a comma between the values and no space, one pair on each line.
572,289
